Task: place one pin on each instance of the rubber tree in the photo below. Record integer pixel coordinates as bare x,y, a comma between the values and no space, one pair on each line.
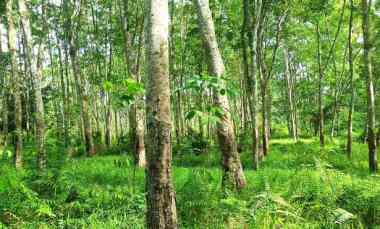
36,74
72,29
161,204
233,176
16,82
132,59
351,79
367,72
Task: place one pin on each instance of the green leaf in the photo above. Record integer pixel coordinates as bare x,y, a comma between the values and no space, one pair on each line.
190,115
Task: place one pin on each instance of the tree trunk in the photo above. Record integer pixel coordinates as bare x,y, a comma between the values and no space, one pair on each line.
352,88
65,98
292,116
5,85
320,91
108,118
161,207
16,86
81,82
251,77
233,176
136,114
367,72
264,113
35,69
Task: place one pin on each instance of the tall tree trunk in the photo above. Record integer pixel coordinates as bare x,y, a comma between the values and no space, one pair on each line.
367,72
320,90
36,74
264,118
265,77
65,98
161,207
5,93
233,176
108,134
16,86
136,114
352,88
82,88
108,113
251,77
83,94
289,86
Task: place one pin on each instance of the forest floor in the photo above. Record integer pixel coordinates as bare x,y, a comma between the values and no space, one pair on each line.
297,186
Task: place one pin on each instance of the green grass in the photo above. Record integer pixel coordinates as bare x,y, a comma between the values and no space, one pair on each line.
297,186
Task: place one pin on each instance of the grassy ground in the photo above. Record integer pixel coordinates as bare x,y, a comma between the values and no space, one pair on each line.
298,186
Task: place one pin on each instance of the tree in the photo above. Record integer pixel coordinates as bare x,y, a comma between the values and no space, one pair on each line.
320,88
132,59
233,176
16,82
82,88
251,70
161,207
35,65
5,93
290,95
368,73
351,75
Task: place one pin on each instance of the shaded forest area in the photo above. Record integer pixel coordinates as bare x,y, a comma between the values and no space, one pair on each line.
189,114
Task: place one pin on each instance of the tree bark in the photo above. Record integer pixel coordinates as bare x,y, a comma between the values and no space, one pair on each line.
16,86
136,114
161,207
65,98
352,88
292,118
233,176
367,72
81,86
35,70
320,90
5,93
108,105
251,73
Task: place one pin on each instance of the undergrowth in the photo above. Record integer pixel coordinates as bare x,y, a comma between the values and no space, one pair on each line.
298,186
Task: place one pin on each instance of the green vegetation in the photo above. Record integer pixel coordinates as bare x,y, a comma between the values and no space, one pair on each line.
297,187
167,114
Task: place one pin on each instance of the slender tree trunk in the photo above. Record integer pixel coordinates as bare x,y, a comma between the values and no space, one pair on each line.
36,74
161,207
108,134
335,114
251,77
320,91
352,88
5,93
233,177
83,94
16,85
367,72
116,125
136,115
264,113
81,81
65,98
292,116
